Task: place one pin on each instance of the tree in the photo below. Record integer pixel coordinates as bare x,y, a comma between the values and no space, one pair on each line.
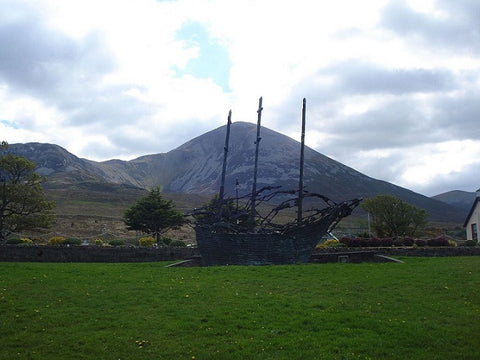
394,217
22,201
153,215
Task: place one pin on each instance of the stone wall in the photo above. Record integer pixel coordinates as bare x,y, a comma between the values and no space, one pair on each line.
432,252
142,254
92,253
346,256
407,251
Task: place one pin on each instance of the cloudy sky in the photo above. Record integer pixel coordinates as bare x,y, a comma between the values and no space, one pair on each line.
392,87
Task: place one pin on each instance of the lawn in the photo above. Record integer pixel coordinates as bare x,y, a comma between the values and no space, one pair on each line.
426,308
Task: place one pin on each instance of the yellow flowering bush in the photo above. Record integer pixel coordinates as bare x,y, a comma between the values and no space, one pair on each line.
98,242
26,241
147,241
329,243
56,240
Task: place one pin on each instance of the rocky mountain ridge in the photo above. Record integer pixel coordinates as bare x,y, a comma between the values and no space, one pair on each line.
195,168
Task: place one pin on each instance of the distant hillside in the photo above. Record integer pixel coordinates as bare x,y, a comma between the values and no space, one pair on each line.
195,168
87,209
457,198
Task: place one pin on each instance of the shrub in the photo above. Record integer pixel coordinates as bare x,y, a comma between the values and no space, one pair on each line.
73,241
439,241
14,240
26,241
117,242
56,240
330,243
346,240
375,242
420,242
408,241
98,242
350,241
364,242
470,243
147,241
452,243
177,243
166,240
387,242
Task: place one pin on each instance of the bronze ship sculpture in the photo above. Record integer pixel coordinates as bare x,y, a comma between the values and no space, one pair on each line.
231,231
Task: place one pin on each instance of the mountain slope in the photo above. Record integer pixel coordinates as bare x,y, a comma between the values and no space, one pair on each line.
195,168
56,163
461,199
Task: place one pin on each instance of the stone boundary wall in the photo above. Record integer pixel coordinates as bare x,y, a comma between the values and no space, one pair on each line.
418,251
357,256
46,253
433,252
92,253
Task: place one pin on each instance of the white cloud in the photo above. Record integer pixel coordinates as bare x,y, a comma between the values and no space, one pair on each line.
391,85
450,159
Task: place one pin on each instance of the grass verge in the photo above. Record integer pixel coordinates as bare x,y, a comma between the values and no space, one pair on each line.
426,308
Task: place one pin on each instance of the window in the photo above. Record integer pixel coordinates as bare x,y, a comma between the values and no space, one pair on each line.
474,232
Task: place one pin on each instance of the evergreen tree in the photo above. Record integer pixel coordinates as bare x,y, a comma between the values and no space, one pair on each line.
152,214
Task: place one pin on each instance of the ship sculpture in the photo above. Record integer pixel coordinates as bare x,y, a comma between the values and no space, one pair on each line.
231,231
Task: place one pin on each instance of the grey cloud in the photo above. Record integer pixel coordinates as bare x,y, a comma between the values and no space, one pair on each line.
66,73
402,123
391,125
355,77
388,168
397,120
465,179
110,106
459,30
153,140
458,117
63,72
42,62
358,78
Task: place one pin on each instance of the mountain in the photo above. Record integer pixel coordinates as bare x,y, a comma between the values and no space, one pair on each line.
195,168
460,199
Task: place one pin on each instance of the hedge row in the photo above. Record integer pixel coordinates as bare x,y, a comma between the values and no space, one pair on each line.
60,240
389,242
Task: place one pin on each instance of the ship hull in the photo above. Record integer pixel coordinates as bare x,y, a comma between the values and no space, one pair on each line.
257,248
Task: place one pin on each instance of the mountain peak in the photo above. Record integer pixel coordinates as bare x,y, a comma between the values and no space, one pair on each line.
195,167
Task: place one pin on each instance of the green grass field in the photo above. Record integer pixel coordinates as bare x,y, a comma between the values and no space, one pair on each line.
426,308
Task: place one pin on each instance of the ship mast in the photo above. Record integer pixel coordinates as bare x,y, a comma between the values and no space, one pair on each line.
224,167
255,169
302,152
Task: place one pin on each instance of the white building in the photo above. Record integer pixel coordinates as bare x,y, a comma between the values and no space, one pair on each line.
472,221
